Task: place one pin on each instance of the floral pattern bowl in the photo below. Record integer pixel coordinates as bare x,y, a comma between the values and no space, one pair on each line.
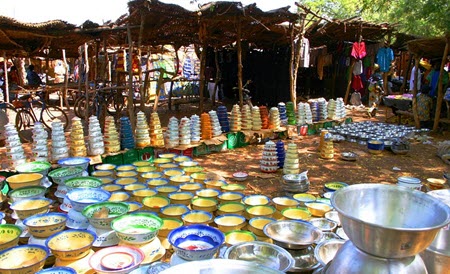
23,259
100,215
83,197
137,228
71,244
46,224
60,175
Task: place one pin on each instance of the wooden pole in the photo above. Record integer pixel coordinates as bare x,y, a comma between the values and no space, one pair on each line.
177,67
217,79
239,60
5,71
297,58
66,79
405,74
130,104
349,81
141,90
202,76
440,96
291,63
414,99
86,79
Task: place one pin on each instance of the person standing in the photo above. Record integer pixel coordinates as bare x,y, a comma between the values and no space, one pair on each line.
33,78
424,107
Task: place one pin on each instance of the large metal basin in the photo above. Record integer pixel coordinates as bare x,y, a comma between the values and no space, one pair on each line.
389,221
220,266
292,234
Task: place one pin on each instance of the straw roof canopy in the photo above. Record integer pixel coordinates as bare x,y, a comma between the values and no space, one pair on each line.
428,47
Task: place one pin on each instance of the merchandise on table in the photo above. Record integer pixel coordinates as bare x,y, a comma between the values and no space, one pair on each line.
291,162
40,148
111,136
126,134
304,115
283,114
185,131
264,117
256,119
235,120
290,112
14,149
246,118
274,121
96,144
215,124
269,161
206,126
156,133
77,142
173,132
222,114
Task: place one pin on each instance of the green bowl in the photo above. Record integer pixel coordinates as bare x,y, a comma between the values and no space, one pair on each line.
137,228
103,221
333,186
34,167
27,192
83,182
10,236
60,175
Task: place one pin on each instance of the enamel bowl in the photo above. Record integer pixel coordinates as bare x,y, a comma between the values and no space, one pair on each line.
100,215
304,198
127,174
191,187
155,182
83,182
256,225
256,199
285,202
230,207
233,188
206,204
196,217
179,179
183,197
173,211
133,206
136,186
235,237
229,222
34,167
260,211
82,197
123,168
58,270
198,177
46,224
30,206
192,169
196,242
23,259
169,224
60,175
166,189
296,213
119,196
10,235
111,187
155,203
240,176
139,194
207,193
181,158
26,192
125,181
230,197
318,209
217,184
71,244
172,172
137,228
116,259
24,179
82,162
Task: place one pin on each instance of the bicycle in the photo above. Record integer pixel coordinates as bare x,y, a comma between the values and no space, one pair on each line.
8,113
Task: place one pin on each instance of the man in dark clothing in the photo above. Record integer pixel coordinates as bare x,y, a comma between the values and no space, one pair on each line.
33,78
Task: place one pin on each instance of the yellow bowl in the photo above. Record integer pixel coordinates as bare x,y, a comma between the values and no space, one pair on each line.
181,158
182,198
318,209
216,184
155,203
122,168
46,224
239,236
253,200
139,164
229,222
103,173
119,196
284,202
191,187
125,181
197,217
231,207
10,236
144,177
304,198
179,179
106,167
132,187
189,164
30,206
145,169
24,179
71,244
23,259
207,193
112,187
127,174
199,177
133,206
165,156
192,169
106,180
169,224
139,194
234,188
172,172
435,183
158,161
165,190
296,214
157,182
161,167
173,211
260,211
206,204
256,225
230,197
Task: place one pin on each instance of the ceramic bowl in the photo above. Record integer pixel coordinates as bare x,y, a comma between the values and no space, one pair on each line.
240,176
165,190
103,174
169,172
333,186
58,270
10,235
196,217
155,203
324,224
139,194
196,242
46,224
285,202
125,181
259,211
101,214
23,259
159,161
60,175
157,182
216,184
116,259
136,186
82,197
181,158
31,206
133,206
139,164
173,211
82,162
26,192
230,208
146,169
192,169
296,213
235,237
127,174
207,193
206,204
199,177
123,168
183,198
169,224
34,167
83,182
76,220
179,179
24,179
137,228
375,146
253,200
304,198
229,222
191,187
71,244
111,187
318,209
119,196
230,197
106,167
256,225
234,188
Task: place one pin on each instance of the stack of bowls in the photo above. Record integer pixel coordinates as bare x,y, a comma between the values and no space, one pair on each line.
96,145
82,162
206,126
264,117
40,136
116,259
142,133
195,129
290,111
409,182
295,183
80,198
323,112
222,114
283,114
126,134
112,142
315,111
185,131
235,119
269,162
281,153
156,133
173,132
301,113
256,119
291,162
274,122
246,118
77,143
215,124
14,149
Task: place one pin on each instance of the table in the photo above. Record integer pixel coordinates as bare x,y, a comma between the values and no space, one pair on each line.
400,105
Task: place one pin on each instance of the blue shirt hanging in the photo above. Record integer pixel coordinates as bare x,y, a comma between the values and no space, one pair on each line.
385,56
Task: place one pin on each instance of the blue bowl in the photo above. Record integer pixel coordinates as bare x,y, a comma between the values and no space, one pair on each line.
75,162
196,242
82,197
58,270
375,146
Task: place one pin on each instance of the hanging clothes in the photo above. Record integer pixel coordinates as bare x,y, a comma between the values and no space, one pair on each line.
304,59
357,83
385,56
358,68
413,76
359,50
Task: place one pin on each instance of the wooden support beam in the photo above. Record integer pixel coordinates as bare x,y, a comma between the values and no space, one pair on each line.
86,80
130,103
239,62
440,92
349,81
217,78
141,90
66,80
5,72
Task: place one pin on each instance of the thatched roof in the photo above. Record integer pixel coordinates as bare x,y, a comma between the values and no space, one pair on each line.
428,47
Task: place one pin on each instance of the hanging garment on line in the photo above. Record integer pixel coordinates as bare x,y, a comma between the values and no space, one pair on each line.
385,56
359,50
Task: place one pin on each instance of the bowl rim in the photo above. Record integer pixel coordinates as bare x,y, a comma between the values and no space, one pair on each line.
67,269
243,219
75,190
13,227
45,248
25,174
267,205
238,231
218,233
43,188
55,171
205,198
323,243
94,238
84,212
228,203
241,195
28,219
296,209
208,189
105,251
21,166
86,178
306,223
255,195
14,204
137,214
180,192
174,205
195,211
284,197
62,161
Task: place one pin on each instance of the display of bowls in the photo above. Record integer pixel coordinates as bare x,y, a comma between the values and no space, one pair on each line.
111,187
333,216
240,176
46,224
157,182
196,242
266,254
285,202
229,222
230,207
256,225
123,168
260,211
325,225
34,167
318,209
182,197
10,235
139,194
179,179
221,266
83,182
26,192
181,158
155,203
119,196
116,259
234,237
206,204
30,206
24,179
58,270
252,200
82,162
82,197
296,213
293,234
23,259
60,175
100,215
137,228
230,197
198,177
136,186
208,193
326,250
169,224
216,184
71,244
127,174
174,211
169,172
191,187
387,225
233,188
196,217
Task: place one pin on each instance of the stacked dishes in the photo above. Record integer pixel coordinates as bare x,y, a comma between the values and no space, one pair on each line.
185,131
274,121
195,129
235,119
112,143
40,149
281,153
246,118
291,162
336,109
206,126
156,133
256,119
14,149
304,115
283,114
126,134
264,117
215,124
409,182
290,110
326,147
142,133
96,145
269,162
315,111
59,144
222,114
296,183
77,143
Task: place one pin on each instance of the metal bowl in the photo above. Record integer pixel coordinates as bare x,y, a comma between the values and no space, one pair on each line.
220,266
326,250
390,221
293,234
267,254
305,261
325,225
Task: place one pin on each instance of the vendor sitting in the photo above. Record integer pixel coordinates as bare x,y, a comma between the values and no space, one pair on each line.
424,107
34,80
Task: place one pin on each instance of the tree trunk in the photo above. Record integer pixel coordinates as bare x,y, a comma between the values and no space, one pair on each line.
440,97
414,99
349,81
130,104
239,63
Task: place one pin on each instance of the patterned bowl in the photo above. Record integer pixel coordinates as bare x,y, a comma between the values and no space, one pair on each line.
71,244
83,182
196,217
25,179
46,224
60,175
116,259
155,203
27,192
100,215
10,235
58,270
257,199
174,211
82,162
137,228
196,242
82,197
34,167
30,206
169,224
23,259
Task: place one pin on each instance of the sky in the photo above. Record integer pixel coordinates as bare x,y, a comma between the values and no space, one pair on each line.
98,11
